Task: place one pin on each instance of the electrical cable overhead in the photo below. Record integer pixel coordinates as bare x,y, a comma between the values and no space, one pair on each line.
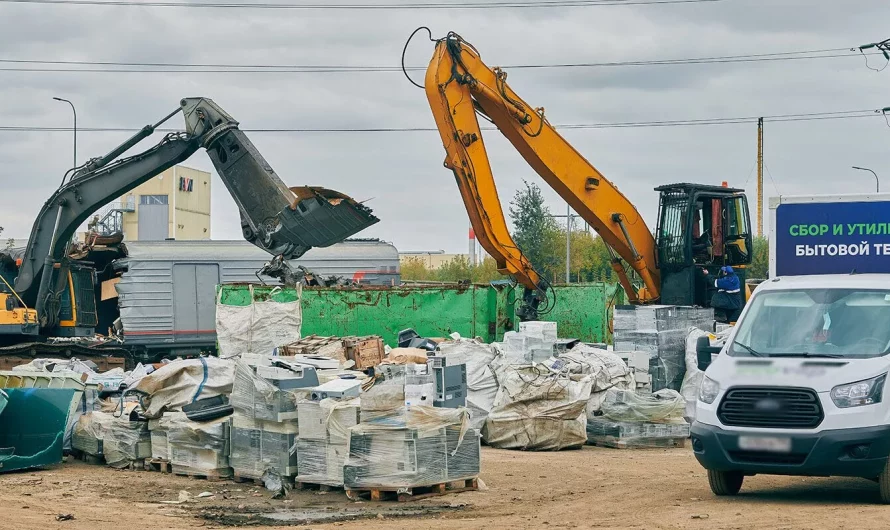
750,172
34,65
810,116
515,4
883,47
771,178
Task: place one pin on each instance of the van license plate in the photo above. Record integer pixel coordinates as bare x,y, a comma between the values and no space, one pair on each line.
772,444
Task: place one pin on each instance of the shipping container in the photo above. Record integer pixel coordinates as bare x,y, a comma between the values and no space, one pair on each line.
166,293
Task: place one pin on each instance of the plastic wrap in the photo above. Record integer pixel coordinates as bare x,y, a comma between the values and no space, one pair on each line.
328,420
539,409
520,348
482,383
663,406
606,369
610,433
157,429
321,462
86,403
693,377
384,403
539,329
198,447
541,338
57,365
255,398
176,384
661,331
126,441
121,441
258,446
435,446
109,381
259,327
90,431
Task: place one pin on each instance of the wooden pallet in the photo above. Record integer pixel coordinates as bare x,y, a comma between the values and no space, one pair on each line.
158,464
205,474
250,479
413,493
317,486
134,465
636,443
96,460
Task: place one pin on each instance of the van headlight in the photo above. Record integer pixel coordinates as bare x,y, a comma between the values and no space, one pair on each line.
859,393
708,390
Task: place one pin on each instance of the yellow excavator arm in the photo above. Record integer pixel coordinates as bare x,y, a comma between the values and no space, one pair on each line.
459,85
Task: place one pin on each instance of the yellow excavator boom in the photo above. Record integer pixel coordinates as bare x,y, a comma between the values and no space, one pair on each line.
459,86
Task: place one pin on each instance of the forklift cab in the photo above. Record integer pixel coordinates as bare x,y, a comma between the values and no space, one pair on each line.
700,228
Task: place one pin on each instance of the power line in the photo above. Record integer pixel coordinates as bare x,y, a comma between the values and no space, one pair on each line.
837,115
414,5
164,67
772,179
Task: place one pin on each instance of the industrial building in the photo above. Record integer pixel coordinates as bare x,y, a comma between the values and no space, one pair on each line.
173,205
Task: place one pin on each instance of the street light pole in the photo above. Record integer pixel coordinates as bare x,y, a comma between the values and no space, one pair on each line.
75,127
877,182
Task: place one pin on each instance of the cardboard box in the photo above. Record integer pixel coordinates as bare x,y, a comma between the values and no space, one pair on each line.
108,290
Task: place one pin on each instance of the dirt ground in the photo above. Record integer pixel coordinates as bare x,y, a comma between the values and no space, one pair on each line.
589,488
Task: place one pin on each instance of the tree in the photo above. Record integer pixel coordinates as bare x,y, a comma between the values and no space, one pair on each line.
759,268
414,268
454,270
534,229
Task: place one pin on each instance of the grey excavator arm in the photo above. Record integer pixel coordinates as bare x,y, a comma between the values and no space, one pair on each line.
284,222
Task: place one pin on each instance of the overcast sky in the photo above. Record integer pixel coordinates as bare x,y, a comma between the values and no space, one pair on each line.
401,174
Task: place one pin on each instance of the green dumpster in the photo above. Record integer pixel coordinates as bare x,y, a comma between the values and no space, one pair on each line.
32,427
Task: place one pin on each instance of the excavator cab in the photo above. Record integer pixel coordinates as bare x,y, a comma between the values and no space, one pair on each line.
77,304
700,228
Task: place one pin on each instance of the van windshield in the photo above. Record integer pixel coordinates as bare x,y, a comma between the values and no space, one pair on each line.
815,323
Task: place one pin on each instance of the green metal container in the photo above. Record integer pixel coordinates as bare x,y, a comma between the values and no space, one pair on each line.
32,427
582,311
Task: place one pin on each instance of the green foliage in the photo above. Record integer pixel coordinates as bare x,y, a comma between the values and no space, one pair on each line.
759,268
414,268
534,230
589,258
455,270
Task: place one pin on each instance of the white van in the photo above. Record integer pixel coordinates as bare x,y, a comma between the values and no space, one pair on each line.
798,387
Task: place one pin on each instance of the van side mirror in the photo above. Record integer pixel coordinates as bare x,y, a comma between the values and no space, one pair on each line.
704,350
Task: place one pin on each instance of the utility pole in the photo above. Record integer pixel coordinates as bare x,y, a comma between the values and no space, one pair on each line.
568,243
759,177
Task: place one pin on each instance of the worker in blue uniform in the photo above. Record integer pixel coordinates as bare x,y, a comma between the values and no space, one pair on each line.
728,297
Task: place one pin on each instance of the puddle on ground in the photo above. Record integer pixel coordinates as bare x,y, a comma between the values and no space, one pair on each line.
301,516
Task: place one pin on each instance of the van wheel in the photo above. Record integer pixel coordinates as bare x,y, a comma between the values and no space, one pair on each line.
730,482
884,483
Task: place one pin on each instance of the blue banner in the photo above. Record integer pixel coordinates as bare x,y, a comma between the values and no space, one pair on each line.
832,238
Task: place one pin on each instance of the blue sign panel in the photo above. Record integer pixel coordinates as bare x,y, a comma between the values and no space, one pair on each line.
832,238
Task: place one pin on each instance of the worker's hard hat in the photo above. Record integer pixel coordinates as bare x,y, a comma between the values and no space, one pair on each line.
727,269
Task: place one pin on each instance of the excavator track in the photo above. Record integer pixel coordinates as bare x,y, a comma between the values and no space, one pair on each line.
101,355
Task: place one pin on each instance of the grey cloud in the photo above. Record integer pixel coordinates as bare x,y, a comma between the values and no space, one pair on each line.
402,173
